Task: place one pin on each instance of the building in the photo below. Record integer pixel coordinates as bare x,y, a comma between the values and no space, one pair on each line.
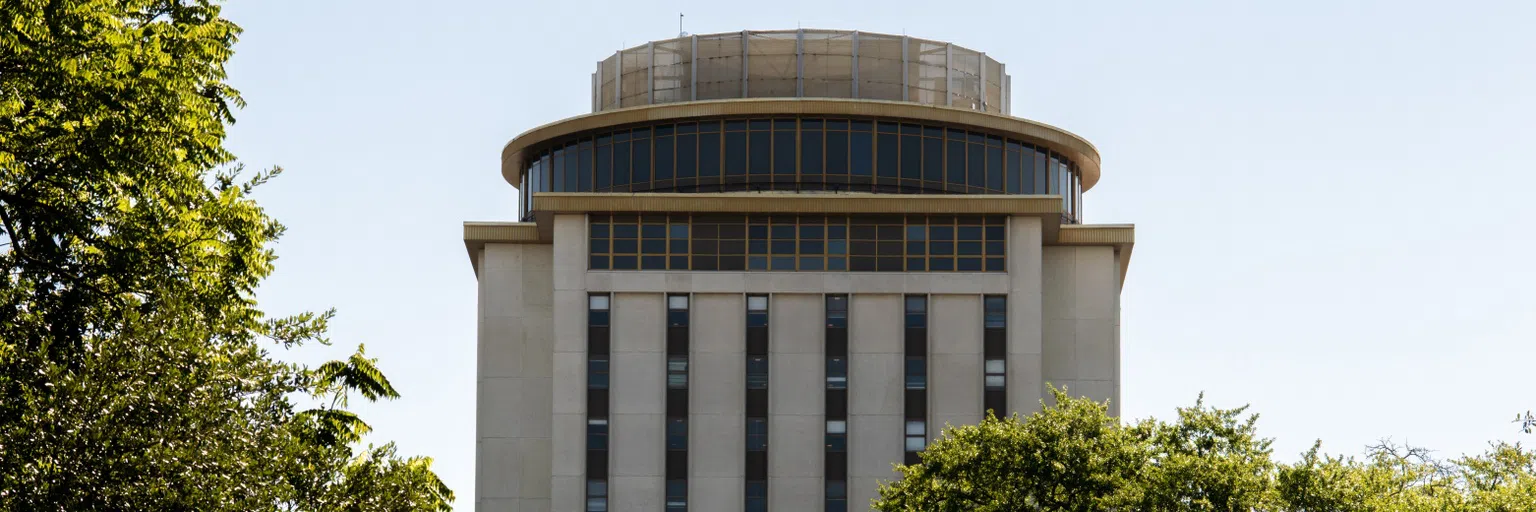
769,265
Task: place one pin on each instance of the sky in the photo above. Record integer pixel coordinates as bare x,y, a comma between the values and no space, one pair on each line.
1331,198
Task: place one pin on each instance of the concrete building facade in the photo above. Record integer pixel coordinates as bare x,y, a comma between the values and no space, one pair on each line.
783,267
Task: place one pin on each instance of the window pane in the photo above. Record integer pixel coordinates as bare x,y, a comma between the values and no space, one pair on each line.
837,427
995,366
598,302
886,155
761,152
860,153
975,165
837,152
783,152
620,163
584,171
641,161
735,153
687,156
916,428
915,444
677,434
911,157
757,303
709,155
995,381
933,160
677,301
954,156
810,152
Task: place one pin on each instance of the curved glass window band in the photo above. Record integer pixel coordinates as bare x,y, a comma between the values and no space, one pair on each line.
800,154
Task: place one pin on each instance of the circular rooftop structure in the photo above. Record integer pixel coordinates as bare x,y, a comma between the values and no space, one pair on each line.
805,111
802,63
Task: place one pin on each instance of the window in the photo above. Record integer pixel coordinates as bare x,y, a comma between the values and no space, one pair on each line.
597,495
597,434
837,373
835,457
808,153
677,305
837,435
837,496
995,312
597,402
757,496
677,434
676,460
755,467
757,434
917,311
677,495
597,373
677,372
597,310
807,243
994,374
757,372
994,352
837,312
917,435
917,372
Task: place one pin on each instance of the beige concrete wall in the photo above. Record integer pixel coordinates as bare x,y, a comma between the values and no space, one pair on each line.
716,401
514,377
875,385
1024,374
569,432
1063,327
954,362
637,392
1080,322
796,398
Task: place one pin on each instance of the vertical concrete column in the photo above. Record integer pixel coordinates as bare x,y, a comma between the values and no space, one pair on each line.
568,470
1082,293
513,413
1024,314
954,360
796,410
1094,319
716,399
639,371
875,383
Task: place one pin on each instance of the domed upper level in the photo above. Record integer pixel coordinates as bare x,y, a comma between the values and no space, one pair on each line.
801,64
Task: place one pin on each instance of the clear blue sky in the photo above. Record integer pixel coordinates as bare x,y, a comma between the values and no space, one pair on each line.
1332,199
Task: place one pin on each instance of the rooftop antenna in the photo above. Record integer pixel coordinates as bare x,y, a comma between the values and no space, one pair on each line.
680,32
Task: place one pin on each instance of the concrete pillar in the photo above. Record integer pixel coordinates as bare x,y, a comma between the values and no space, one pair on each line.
875,385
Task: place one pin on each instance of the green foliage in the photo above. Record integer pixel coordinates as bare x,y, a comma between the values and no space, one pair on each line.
135,371
1071,456
1006,464
1209,460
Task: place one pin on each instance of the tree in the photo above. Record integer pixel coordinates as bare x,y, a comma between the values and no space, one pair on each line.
136,370
1208,460
1072,456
